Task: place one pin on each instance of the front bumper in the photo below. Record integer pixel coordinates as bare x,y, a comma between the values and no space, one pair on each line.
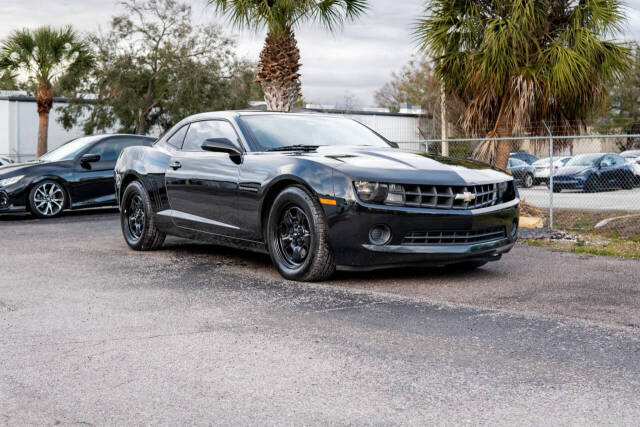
13,199
350,224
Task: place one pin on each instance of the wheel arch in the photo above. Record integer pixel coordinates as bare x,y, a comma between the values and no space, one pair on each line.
272,192
56,178
127,178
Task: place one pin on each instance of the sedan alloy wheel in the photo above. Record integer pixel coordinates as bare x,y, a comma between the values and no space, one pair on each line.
47,199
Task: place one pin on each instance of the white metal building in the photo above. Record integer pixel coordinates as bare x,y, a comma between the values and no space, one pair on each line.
19,127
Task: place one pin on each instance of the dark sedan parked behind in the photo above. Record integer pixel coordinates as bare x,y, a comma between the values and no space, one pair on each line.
78,174
315,192
594,172
522,172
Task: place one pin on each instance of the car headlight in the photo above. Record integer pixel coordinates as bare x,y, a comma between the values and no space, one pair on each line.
502,188
371,192
10,181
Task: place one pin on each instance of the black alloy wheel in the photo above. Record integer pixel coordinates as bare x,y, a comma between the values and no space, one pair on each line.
296,236
136,219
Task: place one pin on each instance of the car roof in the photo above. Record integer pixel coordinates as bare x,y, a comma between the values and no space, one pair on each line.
229,114
631,152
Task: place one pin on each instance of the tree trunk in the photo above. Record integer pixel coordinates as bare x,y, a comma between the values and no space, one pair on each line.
495,152
278,70
141,126
44,102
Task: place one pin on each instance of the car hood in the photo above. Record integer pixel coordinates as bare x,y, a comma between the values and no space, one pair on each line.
394,165
573,170
18,168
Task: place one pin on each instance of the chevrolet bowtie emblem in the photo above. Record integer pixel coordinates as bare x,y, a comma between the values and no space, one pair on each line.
466,196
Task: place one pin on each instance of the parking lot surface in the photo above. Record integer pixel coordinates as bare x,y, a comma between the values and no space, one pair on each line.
93,333
618,200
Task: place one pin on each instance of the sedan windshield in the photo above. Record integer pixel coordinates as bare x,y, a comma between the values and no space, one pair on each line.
68,150
273,131
584,160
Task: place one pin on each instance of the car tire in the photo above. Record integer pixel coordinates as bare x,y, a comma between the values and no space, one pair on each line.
297,237
591,185
136,219
627,182
47,199
527,182
556,188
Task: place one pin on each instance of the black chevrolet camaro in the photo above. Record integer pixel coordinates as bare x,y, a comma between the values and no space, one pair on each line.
315,192
78,174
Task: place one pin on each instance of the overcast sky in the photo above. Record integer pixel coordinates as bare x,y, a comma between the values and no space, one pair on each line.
357,60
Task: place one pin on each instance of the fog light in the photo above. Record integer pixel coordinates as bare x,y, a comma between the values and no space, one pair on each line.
380,235
4,200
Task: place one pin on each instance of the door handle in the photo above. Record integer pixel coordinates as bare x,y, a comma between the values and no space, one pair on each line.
175,165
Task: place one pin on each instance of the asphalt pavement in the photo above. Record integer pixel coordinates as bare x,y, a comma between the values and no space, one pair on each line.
93,333
613,200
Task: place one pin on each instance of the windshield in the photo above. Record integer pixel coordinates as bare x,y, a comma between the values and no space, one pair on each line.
281,130
68,150
584,160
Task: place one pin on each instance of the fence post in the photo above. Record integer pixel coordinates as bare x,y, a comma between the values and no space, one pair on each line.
550,175
443,121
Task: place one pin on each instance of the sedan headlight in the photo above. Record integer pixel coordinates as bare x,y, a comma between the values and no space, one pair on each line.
10,181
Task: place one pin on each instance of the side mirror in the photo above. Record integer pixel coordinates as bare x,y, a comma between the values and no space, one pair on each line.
220,145
90,158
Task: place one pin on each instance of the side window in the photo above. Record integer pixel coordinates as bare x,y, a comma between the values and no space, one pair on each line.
509,164
617,160
199,131
177,138
606,161
110,149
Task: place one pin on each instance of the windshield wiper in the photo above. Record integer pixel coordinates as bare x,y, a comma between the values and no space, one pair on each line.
295,148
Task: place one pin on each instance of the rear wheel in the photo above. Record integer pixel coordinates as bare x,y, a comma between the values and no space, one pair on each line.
47,199
136,219
527,182
627,182
297,238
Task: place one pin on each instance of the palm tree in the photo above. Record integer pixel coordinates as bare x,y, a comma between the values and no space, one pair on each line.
46,56
7,81
515,63
280,57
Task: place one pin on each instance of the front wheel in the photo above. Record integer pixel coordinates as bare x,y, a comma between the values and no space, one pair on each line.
527,182
297,238
136,219
47,199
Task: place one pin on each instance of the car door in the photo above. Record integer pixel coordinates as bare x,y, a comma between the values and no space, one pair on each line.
607,172
93,183
201,185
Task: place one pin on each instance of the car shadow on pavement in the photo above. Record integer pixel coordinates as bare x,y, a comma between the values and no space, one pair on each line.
258,263
27,216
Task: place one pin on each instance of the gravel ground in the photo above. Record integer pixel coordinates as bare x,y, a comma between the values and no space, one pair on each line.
91,332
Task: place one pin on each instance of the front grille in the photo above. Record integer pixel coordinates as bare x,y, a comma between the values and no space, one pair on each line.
421,238
445,196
